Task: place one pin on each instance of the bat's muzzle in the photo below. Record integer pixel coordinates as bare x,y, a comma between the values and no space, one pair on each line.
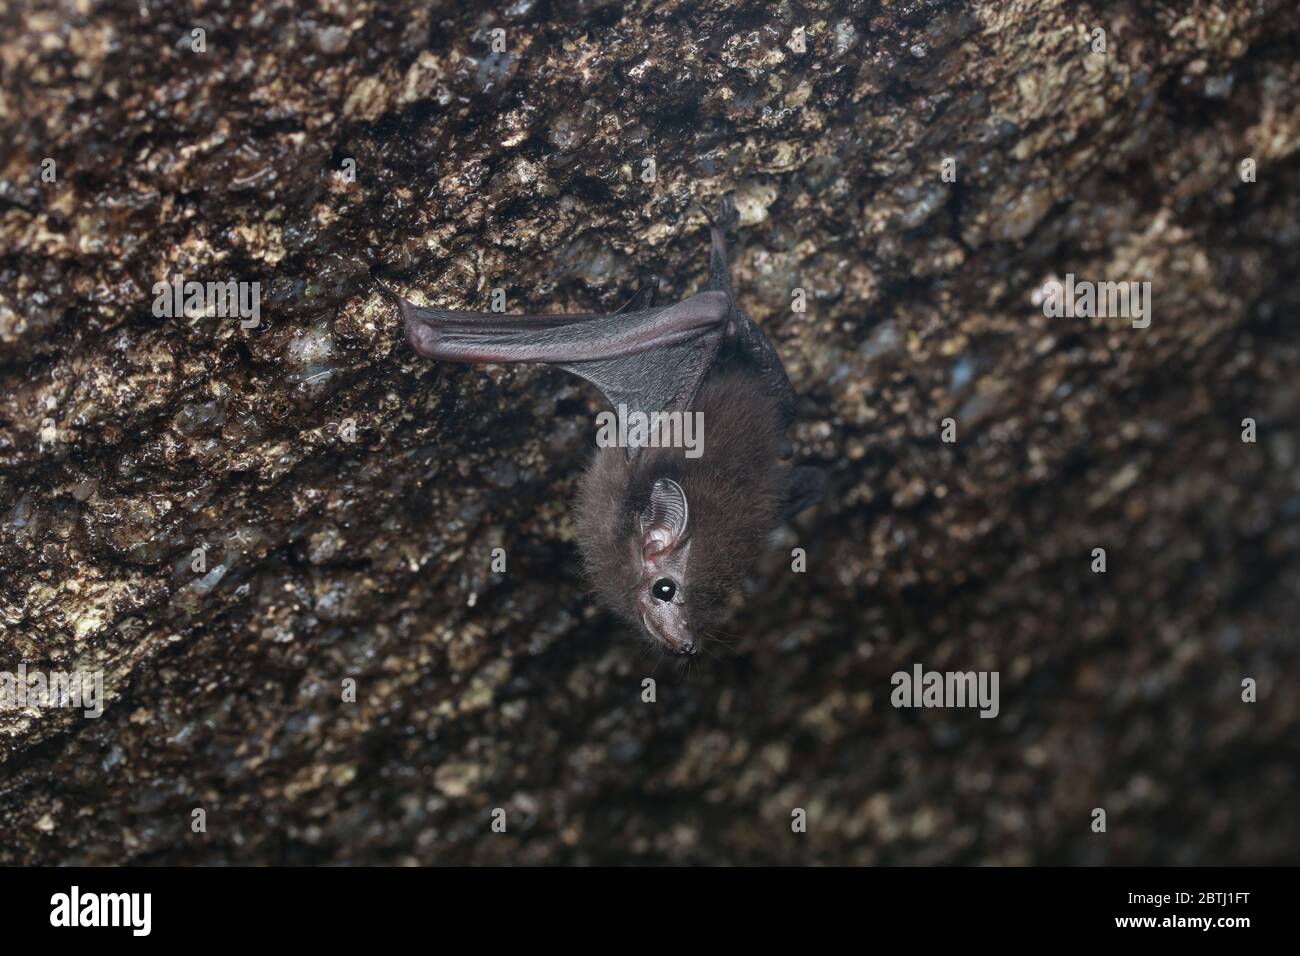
675,640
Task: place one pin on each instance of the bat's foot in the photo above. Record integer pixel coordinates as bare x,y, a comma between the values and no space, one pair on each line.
719,225
726,219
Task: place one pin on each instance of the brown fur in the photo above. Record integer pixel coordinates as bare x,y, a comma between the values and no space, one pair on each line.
735,490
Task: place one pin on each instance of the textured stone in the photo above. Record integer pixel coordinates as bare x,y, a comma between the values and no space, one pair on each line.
128,440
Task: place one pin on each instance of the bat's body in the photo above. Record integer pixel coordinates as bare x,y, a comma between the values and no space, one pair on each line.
665,537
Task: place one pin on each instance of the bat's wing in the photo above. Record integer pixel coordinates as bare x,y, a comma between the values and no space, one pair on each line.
649,360
665,379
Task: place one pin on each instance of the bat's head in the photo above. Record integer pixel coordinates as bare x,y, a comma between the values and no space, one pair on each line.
640,547
664,585
669,567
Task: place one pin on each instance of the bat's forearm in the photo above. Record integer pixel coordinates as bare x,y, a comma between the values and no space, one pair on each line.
491,337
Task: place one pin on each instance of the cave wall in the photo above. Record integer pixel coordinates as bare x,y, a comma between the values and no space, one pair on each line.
346,496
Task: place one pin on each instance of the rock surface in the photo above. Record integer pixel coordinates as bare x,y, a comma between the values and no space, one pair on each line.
346,497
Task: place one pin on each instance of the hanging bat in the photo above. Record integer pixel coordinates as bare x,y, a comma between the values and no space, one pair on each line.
665,538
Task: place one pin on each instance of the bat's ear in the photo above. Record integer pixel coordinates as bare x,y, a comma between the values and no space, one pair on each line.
663,520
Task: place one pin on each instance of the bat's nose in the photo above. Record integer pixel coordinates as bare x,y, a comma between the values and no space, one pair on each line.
675,639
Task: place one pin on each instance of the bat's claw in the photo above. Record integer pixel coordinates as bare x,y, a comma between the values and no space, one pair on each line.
727,218
387,289
419,335
649,291
645,295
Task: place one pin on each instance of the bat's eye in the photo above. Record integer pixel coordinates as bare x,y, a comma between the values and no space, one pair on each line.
663,589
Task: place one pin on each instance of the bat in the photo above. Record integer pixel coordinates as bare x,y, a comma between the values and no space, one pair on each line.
666,538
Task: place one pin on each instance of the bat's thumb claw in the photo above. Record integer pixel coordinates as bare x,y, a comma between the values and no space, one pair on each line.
420,335
388,290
